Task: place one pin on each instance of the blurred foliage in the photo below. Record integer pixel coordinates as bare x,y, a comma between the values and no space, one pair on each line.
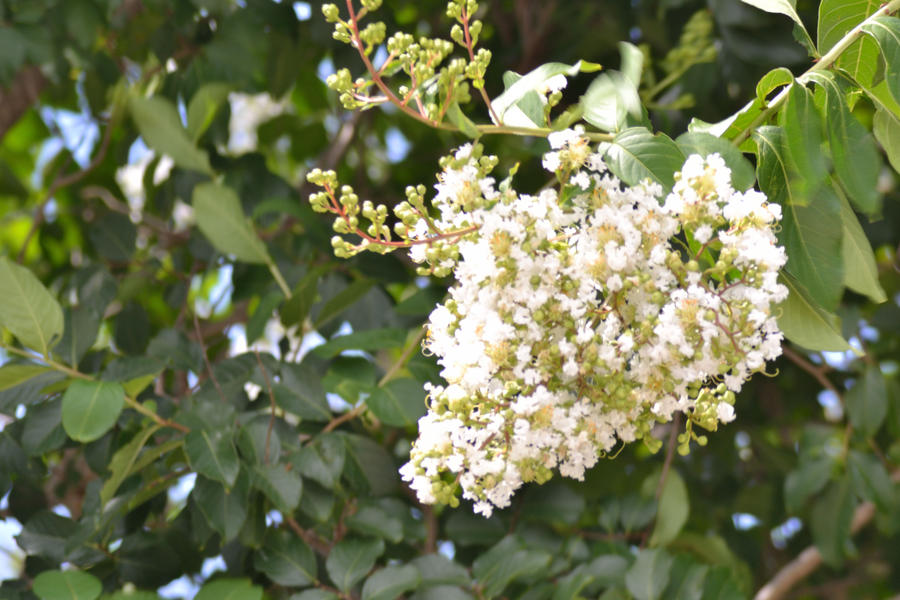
295,482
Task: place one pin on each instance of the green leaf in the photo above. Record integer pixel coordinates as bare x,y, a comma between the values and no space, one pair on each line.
371,339
391,582
91,408
281,486
212,453
315,594
224,509
775,78
886,126
400,403
806,323
12,375
322,460
301,393
229,589
160,126
803,136
856,159
506,561
886,30
437,569
370,519
649,575
637,154
517,87
350,560
220,217
867,402
256,325
609,100
462,122
784,7
773,170
673,511
343,300
743,175
27,309
805,481
67,585
203,107
860,269
836,19
123,460
295,309
286,560
830,521
871,480
368,467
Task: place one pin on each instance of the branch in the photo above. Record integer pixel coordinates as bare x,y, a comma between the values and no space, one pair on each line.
19,96
810,559
817,372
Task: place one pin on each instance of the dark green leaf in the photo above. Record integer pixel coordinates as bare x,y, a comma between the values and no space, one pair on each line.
123,460
350,560
673,511
867,402
856,159
871,480
322,460
400,403
286,560
301,393
772,80
437,569
505,562
860,269
391,582
281,486
637,154
343,300
830,521
372,339
806,323
371,519
27,309
220,217
91,408
649,575
805,481
160,126
802,125
203,107
256,325
224,509
368,467
212,453
67,585
43,428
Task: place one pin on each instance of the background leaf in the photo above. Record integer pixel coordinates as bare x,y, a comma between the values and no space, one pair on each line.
161,128
27,309
220,217
91,408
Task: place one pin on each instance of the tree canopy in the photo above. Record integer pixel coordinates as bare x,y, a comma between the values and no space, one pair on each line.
209,389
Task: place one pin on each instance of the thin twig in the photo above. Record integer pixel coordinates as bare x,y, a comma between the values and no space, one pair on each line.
314,541
817,372
810,559
206,358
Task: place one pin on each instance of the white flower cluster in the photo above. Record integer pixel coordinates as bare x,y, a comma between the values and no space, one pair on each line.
581,318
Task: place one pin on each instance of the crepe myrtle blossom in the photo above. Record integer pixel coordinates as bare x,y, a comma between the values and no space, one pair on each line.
580,316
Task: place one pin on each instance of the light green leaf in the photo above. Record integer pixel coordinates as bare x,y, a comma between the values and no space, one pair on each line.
856,159
673,511
517,86
400,403
371,519
648,576
229,589
886,127
322,460
806,323
836,18
773,170
391,582
632,62
784,7
351,559
867,402
12,375
371,339
695,142
609,100
286,560
637,154
67,585
886,30
91,408
123,460
462,122
212,453
203,107
160,126
27,309
220,217
860,268
803,137
775,78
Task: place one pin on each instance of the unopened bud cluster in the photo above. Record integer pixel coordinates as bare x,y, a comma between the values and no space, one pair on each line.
430,81
582,318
